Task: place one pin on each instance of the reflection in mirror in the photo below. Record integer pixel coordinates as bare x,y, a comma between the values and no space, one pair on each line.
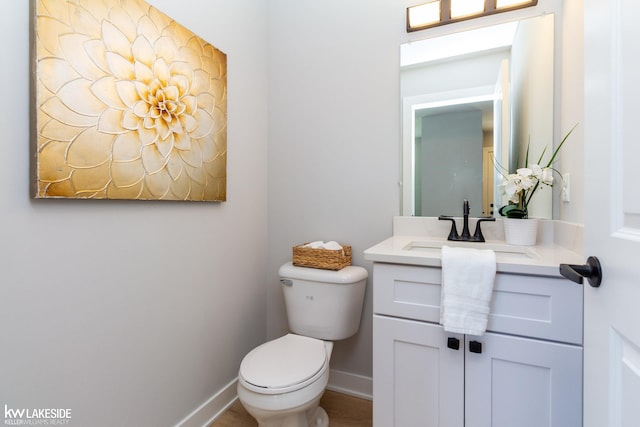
465,105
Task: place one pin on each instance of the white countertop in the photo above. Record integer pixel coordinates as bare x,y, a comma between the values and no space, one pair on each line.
417,248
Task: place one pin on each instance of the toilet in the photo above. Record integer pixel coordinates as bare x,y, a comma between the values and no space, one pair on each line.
280,382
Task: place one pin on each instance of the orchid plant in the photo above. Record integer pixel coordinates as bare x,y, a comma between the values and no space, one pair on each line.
520,187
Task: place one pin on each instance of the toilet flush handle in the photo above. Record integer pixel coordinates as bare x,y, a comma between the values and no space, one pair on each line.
287,282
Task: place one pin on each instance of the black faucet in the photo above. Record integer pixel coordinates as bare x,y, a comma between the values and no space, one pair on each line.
465,236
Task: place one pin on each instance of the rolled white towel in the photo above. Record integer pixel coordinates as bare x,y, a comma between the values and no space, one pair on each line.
318,244
333,245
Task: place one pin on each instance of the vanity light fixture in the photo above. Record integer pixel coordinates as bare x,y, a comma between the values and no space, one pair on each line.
464,8
503,4
441,12
424,15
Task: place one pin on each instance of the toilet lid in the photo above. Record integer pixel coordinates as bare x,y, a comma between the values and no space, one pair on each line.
284,362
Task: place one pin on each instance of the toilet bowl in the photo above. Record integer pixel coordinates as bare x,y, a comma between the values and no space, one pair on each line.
280,382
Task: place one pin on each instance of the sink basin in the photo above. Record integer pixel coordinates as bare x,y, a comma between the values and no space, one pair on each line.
501,249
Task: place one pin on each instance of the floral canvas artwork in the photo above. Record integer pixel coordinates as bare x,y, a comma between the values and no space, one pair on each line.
127,104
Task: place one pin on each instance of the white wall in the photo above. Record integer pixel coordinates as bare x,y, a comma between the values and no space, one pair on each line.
134,313
571,92
333,139
452,75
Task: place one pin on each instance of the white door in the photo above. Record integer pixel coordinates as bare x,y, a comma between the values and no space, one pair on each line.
612,216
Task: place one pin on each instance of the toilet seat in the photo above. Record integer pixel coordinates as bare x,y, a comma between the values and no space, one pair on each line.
284,365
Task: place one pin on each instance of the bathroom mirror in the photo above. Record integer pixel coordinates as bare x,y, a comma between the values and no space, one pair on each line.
469,100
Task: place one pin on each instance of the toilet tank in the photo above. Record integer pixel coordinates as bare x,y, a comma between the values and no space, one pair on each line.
323,304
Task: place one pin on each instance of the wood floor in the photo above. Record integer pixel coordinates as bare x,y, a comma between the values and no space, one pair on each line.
343,410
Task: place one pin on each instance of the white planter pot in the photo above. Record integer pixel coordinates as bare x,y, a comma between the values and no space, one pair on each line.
521,232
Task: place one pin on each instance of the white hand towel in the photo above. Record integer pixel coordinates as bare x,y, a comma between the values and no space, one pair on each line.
467,286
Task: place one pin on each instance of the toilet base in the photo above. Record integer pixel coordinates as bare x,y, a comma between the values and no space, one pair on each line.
319,418
284,410
315,416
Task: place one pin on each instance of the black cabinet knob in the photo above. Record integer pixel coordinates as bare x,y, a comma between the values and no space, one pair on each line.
475,347
453,343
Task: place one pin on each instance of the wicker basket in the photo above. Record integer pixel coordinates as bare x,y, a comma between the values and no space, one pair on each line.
325,259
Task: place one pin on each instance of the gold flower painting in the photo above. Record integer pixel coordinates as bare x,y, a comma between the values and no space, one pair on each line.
128,104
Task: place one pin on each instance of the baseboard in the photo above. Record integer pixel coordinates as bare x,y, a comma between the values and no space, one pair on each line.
353,384
206,413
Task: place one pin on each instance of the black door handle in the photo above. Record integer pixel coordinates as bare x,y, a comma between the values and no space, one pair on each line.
591,270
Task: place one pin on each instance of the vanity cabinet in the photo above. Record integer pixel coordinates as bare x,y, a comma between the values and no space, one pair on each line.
525,371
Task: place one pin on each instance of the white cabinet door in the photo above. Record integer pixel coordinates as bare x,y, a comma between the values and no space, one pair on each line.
522,382
418,381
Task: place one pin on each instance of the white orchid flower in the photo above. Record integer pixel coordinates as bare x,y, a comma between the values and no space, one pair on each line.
547,176
536,171
519,187
524,172
511,187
